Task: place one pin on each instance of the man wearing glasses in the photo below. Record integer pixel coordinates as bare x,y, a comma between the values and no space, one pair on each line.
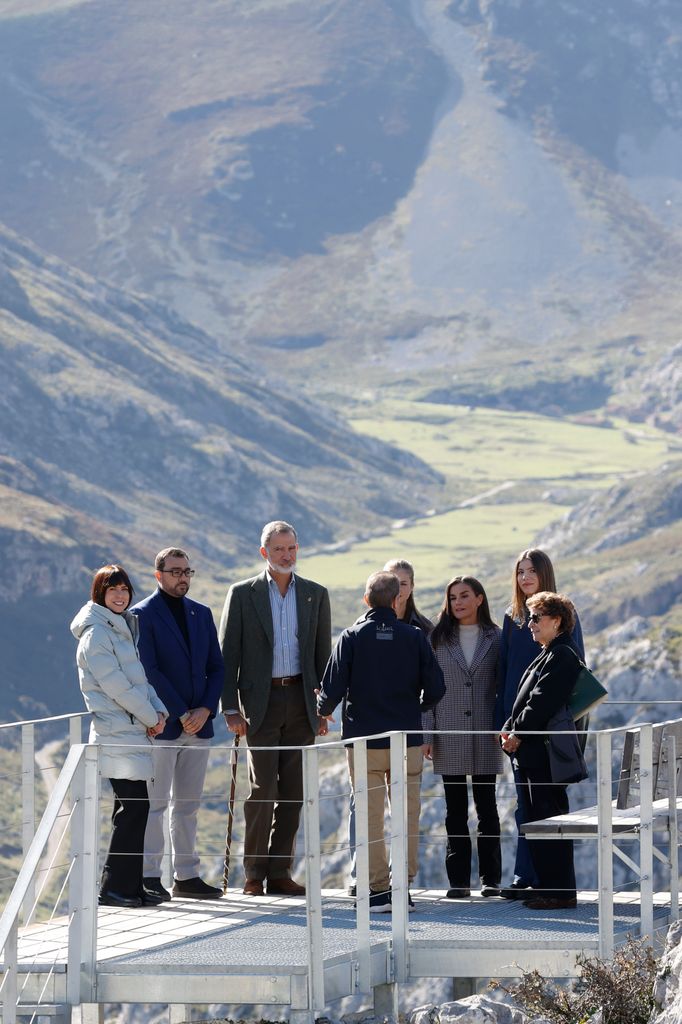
179,649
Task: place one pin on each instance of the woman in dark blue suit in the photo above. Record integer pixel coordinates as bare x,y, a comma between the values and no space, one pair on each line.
533,573
545,688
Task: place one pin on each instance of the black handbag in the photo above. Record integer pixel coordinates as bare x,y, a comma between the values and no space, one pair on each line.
566,761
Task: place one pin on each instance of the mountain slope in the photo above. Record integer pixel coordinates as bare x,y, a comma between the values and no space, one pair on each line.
123,429
437,176
340,201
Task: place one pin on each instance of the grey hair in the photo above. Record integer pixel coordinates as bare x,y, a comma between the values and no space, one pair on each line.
160,560
381,589
276,526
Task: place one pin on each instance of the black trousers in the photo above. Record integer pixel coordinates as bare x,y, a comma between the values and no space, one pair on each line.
122,871
458,857
552,858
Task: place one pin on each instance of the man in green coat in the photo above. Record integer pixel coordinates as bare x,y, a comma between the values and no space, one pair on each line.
275,635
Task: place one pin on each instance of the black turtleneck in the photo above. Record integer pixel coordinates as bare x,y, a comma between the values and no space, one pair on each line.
177,609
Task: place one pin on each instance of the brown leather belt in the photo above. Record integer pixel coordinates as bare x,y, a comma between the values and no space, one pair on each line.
286,680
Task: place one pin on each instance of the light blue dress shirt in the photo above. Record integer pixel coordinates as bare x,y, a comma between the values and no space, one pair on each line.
286,660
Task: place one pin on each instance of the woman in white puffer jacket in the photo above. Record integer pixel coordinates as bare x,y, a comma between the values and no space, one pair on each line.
126,713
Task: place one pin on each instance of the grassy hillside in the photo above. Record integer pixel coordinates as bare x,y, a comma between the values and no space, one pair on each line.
510,478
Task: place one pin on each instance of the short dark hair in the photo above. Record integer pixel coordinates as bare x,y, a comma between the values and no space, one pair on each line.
160,560
556,606
106,577
276,526
381,589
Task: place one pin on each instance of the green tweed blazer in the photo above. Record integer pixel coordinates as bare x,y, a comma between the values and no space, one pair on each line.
246,640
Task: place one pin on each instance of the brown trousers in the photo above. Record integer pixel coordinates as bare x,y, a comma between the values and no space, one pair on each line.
272,809
378,786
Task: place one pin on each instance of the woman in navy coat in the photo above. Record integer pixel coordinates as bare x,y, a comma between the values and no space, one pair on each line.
533,572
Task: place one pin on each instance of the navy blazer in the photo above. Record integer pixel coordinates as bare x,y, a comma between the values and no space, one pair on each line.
182,680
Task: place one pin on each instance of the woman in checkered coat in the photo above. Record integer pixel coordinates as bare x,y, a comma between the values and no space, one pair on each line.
466,643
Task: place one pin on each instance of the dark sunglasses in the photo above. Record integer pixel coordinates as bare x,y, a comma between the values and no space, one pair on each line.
536,616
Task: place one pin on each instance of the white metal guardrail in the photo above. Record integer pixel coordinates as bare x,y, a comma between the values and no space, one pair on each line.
27,771
74,796
74,801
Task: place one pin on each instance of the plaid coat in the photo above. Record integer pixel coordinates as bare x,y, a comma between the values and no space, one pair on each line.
468,704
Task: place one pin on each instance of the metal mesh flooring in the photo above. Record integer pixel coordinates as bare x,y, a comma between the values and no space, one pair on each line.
270,932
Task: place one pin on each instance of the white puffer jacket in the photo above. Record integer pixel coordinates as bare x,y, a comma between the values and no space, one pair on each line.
115,690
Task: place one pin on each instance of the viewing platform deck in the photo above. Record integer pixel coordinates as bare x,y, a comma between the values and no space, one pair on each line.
255,949
299,956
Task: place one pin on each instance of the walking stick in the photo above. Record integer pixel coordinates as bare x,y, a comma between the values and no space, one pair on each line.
230,810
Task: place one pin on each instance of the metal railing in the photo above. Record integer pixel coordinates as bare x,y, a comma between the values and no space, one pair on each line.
74,797
29,776
74,808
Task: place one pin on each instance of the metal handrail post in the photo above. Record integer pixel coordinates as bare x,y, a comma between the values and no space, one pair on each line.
75,730
646,836
75,943
673,831
313,877
605,845
399,846
82,952
28,807
167,857
362,866
10,988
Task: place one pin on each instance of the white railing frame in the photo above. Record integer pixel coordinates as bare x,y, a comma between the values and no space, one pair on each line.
399,844
26,880
79,779
646,834
313,876
674,831
81,975
605,846
28,807
28,779
362,926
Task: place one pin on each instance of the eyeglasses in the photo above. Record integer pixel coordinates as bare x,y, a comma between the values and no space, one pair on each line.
536,616
177,573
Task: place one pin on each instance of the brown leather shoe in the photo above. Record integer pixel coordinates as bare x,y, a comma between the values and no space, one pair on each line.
253,887
548,903
285,887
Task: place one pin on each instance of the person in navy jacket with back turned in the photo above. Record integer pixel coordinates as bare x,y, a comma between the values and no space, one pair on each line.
180,653
386,674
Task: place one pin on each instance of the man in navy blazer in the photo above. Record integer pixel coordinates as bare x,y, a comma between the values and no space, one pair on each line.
179,649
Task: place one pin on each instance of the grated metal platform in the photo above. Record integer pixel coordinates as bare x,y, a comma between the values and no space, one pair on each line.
245,949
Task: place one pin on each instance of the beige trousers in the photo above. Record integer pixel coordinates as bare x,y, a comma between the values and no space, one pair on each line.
378,786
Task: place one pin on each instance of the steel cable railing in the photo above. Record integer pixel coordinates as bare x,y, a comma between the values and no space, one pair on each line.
322,848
